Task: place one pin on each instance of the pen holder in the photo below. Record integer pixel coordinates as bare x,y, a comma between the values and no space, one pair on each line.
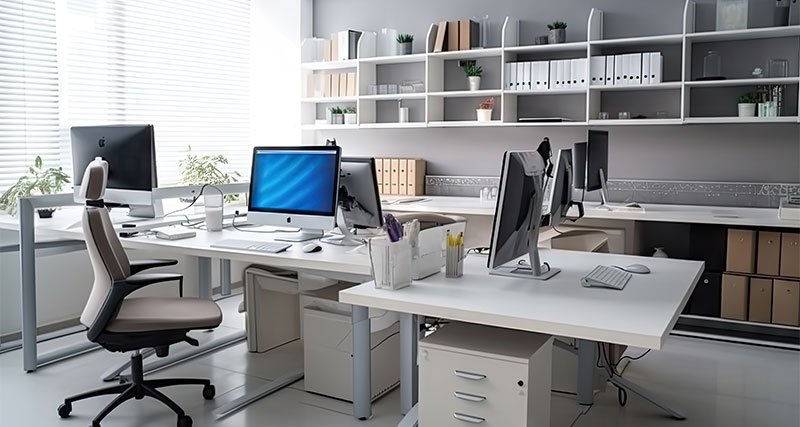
454,266
391,263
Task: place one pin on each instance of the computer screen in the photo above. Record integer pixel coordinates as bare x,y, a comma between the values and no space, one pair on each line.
358,193
294,180
596,159
561,187
129,151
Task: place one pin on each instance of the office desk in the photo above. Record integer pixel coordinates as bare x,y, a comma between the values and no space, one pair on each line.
641,315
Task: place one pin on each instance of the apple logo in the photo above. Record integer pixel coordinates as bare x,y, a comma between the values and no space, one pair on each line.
102,142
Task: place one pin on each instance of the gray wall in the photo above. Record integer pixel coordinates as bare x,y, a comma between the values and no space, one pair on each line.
746,153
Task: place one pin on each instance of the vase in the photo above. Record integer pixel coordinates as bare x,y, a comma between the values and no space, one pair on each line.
405,48
350,118
402,115
747,110
484,115
558,35
474,83
660,253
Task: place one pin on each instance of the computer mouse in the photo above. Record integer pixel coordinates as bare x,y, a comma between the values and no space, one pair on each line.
311,247
637,268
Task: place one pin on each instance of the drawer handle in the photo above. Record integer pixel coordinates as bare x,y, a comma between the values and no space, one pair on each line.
470,397
469,375
468,418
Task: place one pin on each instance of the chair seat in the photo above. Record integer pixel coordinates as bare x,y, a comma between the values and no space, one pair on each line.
158,314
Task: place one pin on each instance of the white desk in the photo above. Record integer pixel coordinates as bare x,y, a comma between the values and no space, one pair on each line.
641,315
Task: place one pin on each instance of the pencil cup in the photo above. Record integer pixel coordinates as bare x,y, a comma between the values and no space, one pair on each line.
391,263
454,266
213,204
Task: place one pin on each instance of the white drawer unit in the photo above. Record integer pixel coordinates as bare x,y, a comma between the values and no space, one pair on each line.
472,374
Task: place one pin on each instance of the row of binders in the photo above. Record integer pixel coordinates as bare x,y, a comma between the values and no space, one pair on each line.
629,69
401,176
342,45
451,36
546,75
321,85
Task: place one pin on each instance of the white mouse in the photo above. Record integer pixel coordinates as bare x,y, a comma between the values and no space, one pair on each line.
637,268
311,247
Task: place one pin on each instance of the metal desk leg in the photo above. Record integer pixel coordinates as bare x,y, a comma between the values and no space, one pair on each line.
362,363
225,277
587,357
409,372
411,419
204,277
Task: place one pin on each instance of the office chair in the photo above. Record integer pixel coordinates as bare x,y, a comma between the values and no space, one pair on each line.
121,324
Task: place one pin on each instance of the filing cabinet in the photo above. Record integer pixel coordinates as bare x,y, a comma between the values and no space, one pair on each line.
741,252
734,297
760,303
786,302
705,300
474,374
790,255
769,253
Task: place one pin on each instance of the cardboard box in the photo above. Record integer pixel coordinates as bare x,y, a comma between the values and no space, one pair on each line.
735,294
769,253
741,254
786,302
790,254
760,304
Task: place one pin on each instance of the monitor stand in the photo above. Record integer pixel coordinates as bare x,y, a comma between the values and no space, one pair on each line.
154,210
524,271
347,238
302,236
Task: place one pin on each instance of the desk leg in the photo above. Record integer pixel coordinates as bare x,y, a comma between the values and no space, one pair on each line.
411,419
587,357
362,363
409,372
27,275
204,277
225,277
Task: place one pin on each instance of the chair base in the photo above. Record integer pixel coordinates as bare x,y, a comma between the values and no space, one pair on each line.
138,389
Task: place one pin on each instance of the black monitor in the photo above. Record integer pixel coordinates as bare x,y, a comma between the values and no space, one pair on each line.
515,231
596,160
130,153
579,165
561,187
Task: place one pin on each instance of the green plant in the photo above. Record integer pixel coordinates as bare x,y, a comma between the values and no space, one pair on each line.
350,110
473,71
405,38
200,170
37,181
748,98
337,110
557,25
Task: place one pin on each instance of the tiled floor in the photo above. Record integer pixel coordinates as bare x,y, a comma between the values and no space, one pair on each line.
715,384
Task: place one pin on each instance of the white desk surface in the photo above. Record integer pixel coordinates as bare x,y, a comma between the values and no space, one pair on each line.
640,315
755,217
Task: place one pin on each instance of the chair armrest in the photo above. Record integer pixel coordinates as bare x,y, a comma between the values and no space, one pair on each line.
143,279
146,264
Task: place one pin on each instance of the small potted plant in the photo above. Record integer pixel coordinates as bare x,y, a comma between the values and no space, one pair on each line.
747,105
406,42
337,116
485,110
558,32
473,74
350,115
201,170
38,181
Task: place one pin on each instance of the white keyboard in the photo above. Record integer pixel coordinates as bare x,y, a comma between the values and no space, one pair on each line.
249,245
606,277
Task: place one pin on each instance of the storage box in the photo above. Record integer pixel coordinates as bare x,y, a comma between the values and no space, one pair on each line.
273,308
769,253
760,304
790,254
741,250
734,297
786,302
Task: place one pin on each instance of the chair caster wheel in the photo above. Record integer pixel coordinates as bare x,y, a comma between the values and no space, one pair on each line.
64,410
184,421
209,392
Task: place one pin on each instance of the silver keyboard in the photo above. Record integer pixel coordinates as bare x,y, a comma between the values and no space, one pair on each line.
606,277
249,245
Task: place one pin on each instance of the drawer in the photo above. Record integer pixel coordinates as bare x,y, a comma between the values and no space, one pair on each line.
495,391
706,298
769,253
786,302
760,304
790,254
741,251
734,297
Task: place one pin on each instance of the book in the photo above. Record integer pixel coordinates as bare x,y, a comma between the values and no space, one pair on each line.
441,36
452,36
468,34
334,47
351,84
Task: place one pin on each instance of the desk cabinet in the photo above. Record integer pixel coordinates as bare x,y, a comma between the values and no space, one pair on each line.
471,374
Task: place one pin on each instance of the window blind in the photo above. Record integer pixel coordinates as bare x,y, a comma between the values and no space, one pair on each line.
181,65
29,115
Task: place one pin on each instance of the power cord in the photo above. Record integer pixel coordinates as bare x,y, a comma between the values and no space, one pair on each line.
237,227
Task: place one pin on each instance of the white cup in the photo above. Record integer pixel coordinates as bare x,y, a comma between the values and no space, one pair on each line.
213,204
403,115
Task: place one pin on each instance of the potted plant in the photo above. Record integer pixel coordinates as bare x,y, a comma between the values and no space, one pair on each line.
200,170
406,42
473,73
337,116
37,181
350,115
558,32
747,105
485,110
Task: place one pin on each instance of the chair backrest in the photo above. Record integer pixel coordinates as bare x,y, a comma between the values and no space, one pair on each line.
109,261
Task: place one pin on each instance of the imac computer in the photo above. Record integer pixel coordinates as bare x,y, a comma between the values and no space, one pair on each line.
590,160
359,200
295,187
561,188
515,232
130,153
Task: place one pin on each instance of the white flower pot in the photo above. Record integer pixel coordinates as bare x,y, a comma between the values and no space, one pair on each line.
474,83
484,115
747,110
350,118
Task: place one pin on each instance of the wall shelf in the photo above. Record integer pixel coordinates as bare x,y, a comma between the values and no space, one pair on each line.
560,47
640,41
463,124
396,59
409,125
720,120
468,54
329,100
745,82
545,92
635,122
329,65
392,97
748,34
467,93
328,127
657,86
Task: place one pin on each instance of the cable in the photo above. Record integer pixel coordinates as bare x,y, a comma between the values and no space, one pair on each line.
194,200
633,358
236,227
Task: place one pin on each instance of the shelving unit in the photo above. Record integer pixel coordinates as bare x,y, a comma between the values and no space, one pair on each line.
445,104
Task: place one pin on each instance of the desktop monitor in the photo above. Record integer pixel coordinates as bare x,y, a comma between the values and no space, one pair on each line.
561,187
579,165
596,160
359,200
130,153
295,187
515,231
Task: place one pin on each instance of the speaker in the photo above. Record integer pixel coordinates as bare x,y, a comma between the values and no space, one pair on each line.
579,165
